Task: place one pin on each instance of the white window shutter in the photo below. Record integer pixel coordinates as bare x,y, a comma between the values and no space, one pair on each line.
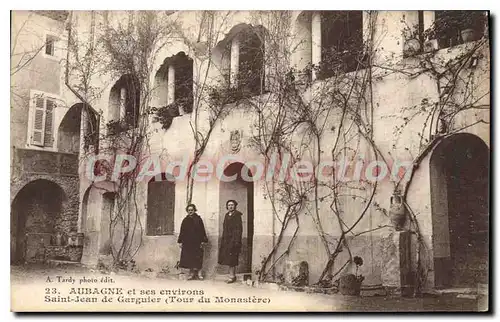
49,123
37,137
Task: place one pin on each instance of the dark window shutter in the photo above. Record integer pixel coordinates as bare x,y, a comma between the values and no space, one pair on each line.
161,205
169,207
49,124
152,217
49,46
38,122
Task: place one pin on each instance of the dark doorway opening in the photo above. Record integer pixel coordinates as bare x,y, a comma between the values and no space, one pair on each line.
35,211
240,190
460,214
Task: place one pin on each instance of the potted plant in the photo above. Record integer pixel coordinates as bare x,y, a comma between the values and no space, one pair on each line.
166,114
412,45
350,284
447,26
116,127
471,22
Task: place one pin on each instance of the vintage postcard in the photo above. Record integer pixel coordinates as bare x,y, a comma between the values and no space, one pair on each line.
322,161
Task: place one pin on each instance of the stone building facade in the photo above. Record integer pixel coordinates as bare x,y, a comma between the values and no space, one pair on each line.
434,196
45,134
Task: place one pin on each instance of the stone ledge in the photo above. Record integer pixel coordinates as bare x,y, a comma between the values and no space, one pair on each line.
62,263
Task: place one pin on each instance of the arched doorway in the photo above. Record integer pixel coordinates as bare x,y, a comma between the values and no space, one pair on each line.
459,169
97,211
242,191
35,213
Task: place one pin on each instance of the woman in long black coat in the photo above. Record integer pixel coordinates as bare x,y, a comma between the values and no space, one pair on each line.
191,239
230,246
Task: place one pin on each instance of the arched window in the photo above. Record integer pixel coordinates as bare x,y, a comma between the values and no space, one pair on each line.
240,59
341,41
69,131
174,83
161,206
184,81
328,41
251,72
125,101
302,47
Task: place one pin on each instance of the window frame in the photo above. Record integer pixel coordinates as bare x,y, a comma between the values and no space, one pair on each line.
185,101
57,104
169,229
55,39
248,50
131,118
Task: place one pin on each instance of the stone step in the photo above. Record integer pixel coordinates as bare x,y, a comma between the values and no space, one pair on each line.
457,290
481,289
467,296
58,262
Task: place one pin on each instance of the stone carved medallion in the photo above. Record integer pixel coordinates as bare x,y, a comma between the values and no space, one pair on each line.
235,139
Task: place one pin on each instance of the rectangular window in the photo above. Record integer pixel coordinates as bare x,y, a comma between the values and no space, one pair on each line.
43,122
161,205
50,45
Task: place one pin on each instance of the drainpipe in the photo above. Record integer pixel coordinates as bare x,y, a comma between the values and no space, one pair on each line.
86,104
274,235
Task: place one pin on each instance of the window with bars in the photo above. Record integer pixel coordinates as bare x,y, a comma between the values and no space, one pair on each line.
43,122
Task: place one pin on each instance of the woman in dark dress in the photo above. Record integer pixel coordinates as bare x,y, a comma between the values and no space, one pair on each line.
191,239
230,246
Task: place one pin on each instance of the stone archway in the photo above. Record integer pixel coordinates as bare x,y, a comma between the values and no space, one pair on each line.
459,168
84,219
68,140
241,191
97,211
36,214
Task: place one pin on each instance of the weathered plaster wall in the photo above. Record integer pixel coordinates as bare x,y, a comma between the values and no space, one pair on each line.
391,94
